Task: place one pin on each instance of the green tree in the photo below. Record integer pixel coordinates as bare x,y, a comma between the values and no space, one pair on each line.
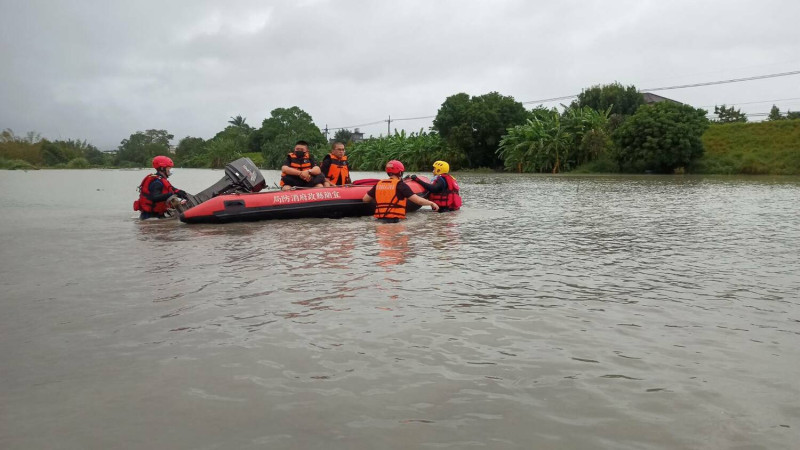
555,142
190,152
222,150
62,152
240,122
729,115
473,127
417,152
282,129
622,100
587,128
792,115
539,145
344,136
775,114
25,148
660,137
140,148
96,157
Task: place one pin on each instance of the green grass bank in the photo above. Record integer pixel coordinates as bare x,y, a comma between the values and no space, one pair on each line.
762,148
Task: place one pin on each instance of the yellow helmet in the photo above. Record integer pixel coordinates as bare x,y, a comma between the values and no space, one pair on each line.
440,167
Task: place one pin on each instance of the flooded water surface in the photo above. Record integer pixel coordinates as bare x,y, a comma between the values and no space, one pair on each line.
589,312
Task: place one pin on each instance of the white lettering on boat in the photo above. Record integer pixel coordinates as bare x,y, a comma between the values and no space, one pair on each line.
305,197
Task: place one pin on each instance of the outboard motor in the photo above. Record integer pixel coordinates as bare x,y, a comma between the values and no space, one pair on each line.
240,176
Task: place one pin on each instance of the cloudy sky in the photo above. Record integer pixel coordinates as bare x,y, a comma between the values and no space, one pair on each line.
102,70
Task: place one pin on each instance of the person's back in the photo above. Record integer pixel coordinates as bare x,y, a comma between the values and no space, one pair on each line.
390,205
390,195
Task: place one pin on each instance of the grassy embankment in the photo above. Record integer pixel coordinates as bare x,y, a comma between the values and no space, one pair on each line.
762,148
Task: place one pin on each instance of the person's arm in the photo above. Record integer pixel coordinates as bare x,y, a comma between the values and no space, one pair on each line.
314,170
438,186
325,167
155,187
405,191
423,202
288,169
369,195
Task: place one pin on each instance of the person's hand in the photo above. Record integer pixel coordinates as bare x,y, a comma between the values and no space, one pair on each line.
434,206
181,194
414,177
184,201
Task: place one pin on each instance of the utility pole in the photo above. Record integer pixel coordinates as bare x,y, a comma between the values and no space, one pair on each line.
326,131
389,126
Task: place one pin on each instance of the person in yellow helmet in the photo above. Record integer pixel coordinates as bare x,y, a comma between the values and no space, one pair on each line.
443,188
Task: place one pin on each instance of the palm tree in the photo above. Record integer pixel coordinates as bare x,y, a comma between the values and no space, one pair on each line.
239,121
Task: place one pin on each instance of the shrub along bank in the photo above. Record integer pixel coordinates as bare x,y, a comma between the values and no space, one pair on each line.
762,148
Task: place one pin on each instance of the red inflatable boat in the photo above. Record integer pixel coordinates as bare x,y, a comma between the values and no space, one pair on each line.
334,202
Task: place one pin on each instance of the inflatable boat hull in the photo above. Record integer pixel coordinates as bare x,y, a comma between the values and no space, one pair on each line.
335,202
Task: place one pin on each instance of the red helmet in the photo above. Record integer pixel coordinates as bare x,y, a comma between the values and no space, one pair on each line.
395,167
162,161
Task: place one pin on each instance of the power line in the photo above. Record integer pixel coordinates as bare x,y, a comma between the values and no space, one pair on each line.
708,83
414,118
357,126
752,103
567,97
734,80
546,100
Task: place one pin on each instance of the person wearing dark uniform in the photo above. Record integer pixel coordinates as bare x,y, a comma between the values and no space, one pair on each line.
300,169
155,189
335,168
391,194
444,190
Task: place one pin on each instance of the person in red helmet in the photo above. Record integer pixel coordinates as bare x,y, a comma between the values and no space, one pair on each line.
390,195
155,189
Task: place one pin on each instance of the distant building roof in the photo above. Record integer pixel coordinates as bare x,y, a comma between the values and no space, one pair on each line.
650,98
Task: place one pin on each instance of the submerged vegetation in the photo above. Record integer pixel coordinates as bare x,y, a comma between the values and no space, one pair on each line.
607,129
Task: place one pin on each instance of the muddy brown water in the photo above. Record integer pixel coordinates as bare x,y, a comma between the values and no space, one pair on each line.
560,312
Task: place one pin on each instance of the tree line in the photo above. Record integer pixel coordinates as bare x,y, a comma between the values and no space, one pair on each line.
608,128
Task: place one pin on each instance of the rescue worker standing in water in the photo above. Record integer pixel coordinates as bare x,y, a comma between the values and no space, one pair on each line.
335,168
155,189
391,194
444,190
300,169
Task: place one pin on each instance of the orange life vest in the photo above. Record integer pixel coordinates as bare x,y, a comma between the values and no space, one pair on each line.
387,205
449,198
147,205
300,164
338,172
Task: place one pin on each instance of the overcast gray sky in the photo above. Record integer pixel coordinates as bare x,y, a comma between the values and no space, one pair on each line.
102,70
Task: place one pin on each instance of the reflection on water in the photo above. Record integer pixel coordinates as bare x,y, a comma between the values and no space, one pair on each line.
550,312
392,239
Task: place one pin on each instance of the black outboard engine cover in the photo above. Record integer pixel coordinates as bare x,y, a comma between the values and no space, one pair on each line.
240,176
